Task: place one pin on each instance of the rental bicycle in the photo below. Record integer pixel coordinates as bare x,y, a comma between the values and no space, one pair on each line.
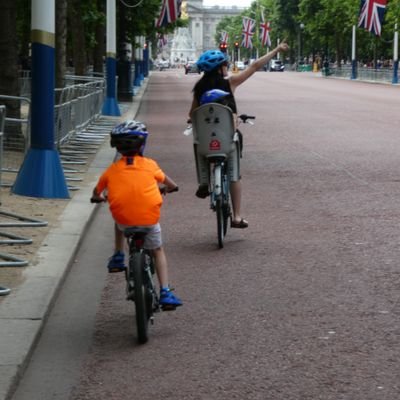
215,138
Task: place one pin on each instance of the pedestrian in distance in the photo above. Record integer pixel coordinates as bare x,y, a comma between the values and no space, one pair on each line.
215,65
131,187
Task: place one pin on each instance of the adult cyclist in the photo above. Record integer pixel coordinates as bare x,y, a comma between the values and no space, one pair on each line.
214,64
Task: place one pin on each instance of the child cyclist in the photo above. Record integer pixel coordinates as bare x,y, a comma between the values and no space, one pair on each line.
134,198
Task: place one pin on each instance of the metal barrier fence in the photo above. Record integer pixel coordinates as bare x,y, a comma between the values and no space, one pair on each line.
363,73
25,83
16,138
77,106
8,260
2,122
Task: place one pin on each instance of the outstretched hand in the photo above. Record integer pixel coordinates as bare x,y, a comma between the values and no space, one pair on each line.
283,46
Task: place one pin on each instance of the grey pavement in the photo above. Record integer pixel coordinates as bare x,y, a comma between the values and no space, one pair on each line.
24,311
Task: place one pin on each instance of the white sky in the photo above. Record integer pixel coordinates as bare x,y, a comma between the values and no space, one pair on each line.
224,3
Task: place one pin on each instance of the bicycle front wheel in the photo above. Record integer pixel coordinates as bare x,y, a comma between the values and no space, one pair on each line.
137,263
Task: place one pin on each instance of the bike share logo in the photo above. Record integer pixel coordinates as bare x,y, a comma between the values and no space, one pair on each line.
215,145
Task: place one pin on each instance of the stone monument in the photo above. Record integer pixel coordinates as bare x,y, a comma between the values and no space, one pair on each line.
182,48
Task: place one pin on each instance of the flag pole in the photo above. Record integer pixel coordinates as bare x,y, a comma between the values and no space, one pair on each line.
353,55
395,55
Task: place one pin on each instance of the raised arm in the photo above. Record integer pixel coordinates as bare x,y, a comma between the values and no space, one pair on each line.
237,79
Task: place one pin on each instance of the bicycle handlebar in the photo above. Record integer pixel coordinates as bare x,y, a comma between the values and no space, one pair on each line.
245,117
163,190
92,200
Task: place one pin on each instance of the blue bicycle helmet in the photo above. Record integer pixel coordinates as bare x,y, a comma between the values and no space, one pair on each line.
210,60
129,137
213,96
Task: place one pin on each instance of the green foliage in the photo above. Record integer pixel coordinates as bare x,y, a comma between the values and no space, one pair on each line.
327,25
327,28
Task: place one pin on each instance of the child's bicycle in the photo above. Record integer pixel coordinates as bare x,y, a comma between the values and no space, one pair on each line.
139,275
214,136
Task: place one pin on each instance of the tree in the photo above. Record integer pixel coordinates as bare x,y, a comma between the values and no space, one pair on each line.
100,37
61,41
78,39
329,24
9,83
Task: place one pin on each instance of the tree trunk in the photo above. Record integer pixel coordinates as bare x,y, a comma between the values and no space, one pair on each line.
78,36
99,50
61,41
9,71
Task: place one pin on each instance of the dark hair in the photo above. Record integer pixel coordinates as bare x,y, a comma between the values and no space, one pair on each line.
213,80
210,80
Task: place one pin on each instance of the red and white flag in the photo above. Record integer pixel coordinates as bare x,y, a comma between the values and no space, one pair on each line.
371,15
265,29
248,32
224,37
170,12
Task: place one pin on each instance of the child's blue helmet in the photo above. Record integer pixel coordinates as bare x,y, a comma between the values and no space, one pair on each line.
213,96
129,137
211,59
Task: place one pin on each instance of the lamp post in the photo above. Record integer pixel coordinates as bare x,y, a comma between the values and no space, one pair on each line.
301,27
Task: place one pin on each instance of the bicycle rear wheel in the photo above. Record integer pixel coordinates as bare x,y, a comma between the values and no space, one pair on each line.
226,207
137,264
220,223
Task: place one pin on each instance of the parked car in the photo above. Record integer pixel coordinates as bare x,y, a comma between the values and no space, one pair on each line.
276,65
240,65
163,64
191,68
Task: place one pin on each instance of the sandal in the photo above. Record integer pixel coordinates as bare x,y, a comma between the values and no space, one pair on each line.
239,224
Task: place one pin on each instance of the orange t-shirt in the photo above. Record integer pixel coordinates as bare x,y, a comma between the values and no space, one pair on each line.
133,194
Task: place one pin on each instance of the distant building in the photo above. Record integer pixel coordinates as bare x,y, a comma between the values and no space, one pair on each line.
203,22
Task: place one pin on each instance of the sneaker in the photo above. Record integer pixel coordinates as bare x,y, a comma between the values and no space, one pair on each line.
202,191
168,300
116,262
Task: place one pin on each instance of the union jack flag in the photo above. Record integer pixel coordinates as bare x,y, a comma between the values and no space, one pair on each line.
371,15
248,32
170,12
264,31
224,37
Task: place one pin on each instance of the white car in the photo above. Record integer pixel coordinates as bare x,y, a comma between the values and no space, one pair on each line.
276,65
240,65
163,64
